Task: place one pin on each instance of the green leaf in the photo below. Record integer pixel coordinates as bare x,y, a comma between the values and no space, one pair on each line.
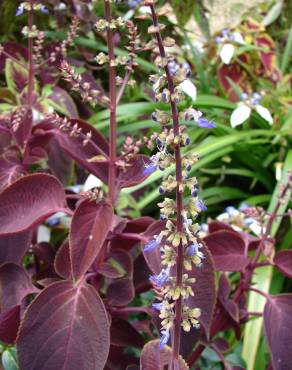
9,359
262,280
183,10
287,53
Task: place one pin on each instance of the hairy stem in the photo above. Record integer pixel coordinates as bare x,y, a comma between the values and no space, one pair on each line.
30,58
179,199
113,107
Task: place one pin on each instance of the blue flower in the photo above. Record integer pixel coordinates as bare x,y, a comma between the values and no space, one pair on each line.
44,9
243,207
204,123
249,221
200,205
230,210
158,306
164,338
204,227
151,245
161,278
54,221
19,10
192,249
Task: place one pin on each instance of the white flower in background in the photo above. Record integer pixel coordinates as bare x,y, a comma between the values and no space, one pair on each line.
189,88
226,40
245,107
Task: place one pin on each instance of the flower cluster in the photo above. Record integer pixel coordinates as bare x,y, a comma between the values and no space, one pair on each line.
178,241
226,41
26,6
249,102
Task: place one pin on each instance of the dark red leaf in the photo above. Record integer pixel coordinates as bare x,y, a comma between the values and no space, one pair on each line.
123,334
15,284
283,261
21,124
91,223
14,246
64,101
153,258
278,328
14,49
29,201
45,252
204,291
228,250
118,264
66,327
218,225
120,292
10,170
154,358
229,305
59,162
9,324
134,174
74,147
62,262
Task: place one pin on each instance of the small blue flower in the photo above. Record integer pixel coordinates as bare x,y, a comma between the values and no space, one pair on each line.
230,210
44,9
151,245
164,338
204,227
256,97
192,249
204,123
19,10
158,306
152,166
161,278
54,221
219,40
243,96
249,221
201,206
243,207
225,32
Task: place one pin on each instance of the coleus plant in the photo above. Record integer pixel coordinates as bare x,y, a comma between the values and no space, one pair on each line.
67,302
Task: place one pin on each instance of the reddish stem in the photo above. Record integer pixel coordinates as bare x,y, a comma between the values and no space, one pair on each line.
30,58
113,107
179,199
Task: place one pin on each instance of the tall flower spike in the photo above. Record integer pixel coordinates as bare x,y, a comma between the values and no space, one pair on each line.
180,248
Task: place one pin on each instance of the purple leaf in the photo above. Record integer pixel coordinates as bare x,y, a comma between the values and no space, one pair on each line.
155,358
10,170
62,262
278,329
21,125
63,102
9,324
59,162
15,284
66,327
283,261
29,201
14,246
204,290
228,250
91,223
124,334
120,292
75,148
134,174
